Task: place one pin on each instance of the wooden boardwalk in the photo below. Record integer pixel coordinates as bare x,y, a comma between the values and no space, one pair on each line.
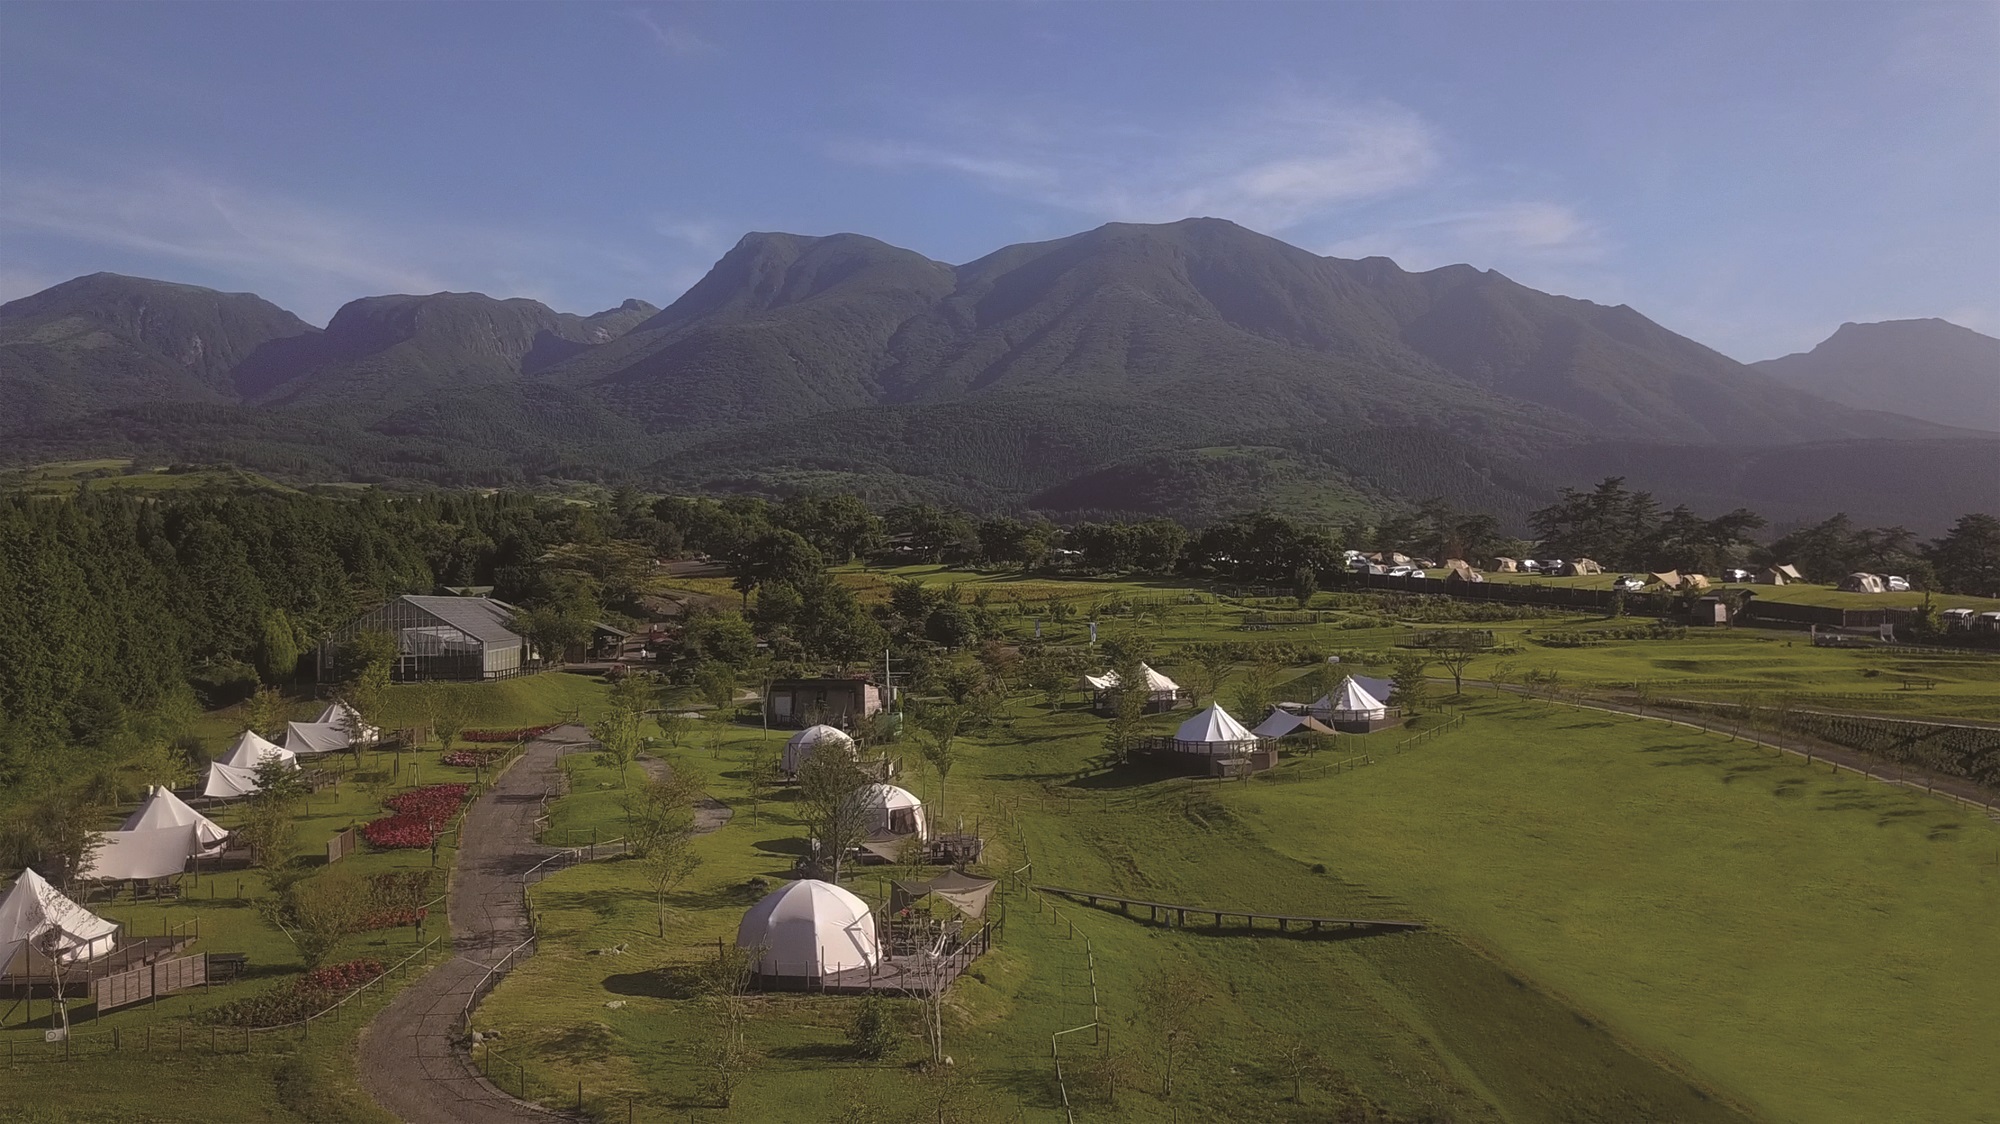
1176,916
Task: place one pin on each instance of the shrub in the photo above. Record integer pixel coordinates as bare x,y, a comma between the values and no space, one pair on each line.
874,1033
468,758
297,999
524,733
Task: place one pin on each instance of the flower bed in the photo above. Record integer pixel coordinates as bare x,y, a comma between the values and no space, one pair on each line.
297,999
421,816
468,758
525,733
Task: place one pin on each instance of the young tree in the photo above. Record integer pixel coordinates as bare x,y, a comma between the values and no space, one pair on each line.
617,734
449,709
56,835
320,912
1453,652
674,726
669,862
1254,692
1172,999
1412,691
726,1054
266,712
873,1034
715,682
1048,674
1128,701
827,784
1299,1063
940,725
762,776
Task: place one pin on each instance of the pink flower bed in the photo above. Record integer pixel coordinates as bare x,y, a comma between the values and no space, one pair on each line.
467,759
525,733
421,816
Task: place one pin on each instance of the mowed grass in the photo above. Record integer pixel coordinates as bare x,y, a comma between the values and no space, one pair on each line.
1818,946
1629,922
1797,593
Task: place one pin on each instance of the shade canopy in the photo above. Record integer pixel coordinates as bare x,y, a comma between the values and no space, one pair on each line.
891,810
147,852
1283,723
35,918
163,809
808,741
1158,686
967,893
809,929
249,749
1214,727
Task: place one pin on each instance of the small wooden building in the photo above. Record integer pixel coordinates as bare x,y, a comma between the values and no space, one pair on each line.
840,702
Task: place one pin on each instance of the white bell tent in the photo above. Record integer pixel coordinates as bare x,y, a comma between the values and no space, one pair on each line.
349,720
1159,688
235,772
36,919
1351,702
315,738
143,853
809,930
809,741
892,811
162,808
1215,733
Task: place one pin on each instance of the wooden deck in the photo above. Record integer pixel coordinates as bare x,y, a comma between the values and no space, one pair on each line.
1176,916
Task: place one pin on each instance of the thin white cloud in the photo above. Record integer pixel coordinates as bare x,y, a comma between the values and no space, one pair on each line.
703,235
312,258
1272,165
1530,232
673,39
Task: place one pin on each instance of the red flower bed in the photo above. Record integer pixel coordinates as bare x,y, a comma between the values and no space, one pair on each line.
525,733
394,918
300,998
421,816
467,759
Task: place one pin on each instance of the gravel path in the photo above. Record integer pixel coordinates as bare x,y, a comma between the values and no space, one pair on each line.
409,1062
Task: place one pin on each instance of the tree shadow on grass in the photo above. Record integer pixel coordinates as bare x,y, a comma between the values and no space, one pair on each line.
656,983
817,1052
1132,774
787,845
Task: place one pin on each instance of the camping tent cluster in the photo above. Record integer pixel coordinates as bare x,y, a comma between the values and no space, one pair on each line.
1784,574
156,841
38,924
234,774
338,727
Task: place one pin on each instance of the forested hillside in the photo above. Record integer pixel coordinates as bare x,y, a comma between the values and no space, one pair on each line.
1099,372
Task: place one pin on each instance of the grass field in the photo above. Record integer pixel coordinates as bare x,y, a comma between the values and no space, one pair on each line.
1630,922
1797,593
62,478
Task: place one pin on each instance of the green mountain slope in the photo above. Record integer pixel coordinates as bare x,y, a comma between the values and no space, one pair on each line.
1930,369
109,340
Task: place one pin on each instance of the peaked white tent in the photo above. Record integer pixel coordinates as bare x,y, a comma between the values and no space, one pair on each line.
147,852
249,749
34,914
235,772
1159,688
1215,733
1352,702
348,721
163,809
809,929
892,811
314,738
808,741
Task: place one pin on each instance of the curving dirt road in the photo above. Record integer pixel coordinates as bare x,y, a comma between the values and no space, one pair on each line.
408,1060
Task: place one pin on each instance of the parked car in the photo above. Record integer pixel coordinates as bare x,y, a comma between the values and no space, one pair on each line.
1628,584
1551,565
1405,572
1737,576
1530,566
1896,584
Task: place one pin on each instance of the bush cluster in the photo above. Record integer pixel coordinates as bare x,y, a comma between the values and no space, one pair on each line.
525,733
467,758
297,999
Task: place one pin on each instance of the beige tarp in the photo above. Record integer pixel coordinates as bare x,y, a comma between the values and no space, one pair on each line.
1671,579
967,893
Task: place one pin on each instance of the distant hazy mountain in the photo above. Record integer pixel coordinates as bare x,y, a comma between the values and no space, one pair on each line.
107,340
1930,369
1194,364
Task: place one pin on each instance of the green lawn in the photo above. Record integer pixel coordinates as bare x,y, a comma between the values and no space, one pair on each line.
1629,922
1797,593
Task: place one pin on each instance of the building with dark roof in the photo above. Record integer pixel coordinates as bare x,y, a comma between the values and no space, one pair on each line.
441,638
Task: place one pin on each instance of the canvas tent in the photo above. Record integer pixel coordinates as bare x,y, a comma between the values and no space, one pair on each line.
162,808
1328,707
1780,575
1863,583
1695,581
143,853
1578,566
36,919
807,930
1670,579
1503,565
892,811
349,722
1353,703
315,738
1159,688
1214,733
968,894
235,772
1459,570
808,741
1283,723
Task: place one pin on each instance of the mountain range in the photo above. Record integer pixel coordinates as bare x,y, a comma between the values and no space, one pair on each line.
1193,367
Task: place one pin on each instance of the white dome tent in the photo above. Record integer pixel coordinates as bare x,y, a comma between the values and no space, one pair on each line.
807,931
1356,706
808,741
1214,733
35,918
892,811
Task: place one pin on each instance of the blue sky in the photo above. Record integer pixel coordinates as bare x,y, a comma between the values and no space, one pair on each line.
1749,174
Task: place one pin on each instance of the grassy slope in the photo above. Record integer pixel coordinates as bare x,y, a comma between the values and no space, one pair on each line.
1648,902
